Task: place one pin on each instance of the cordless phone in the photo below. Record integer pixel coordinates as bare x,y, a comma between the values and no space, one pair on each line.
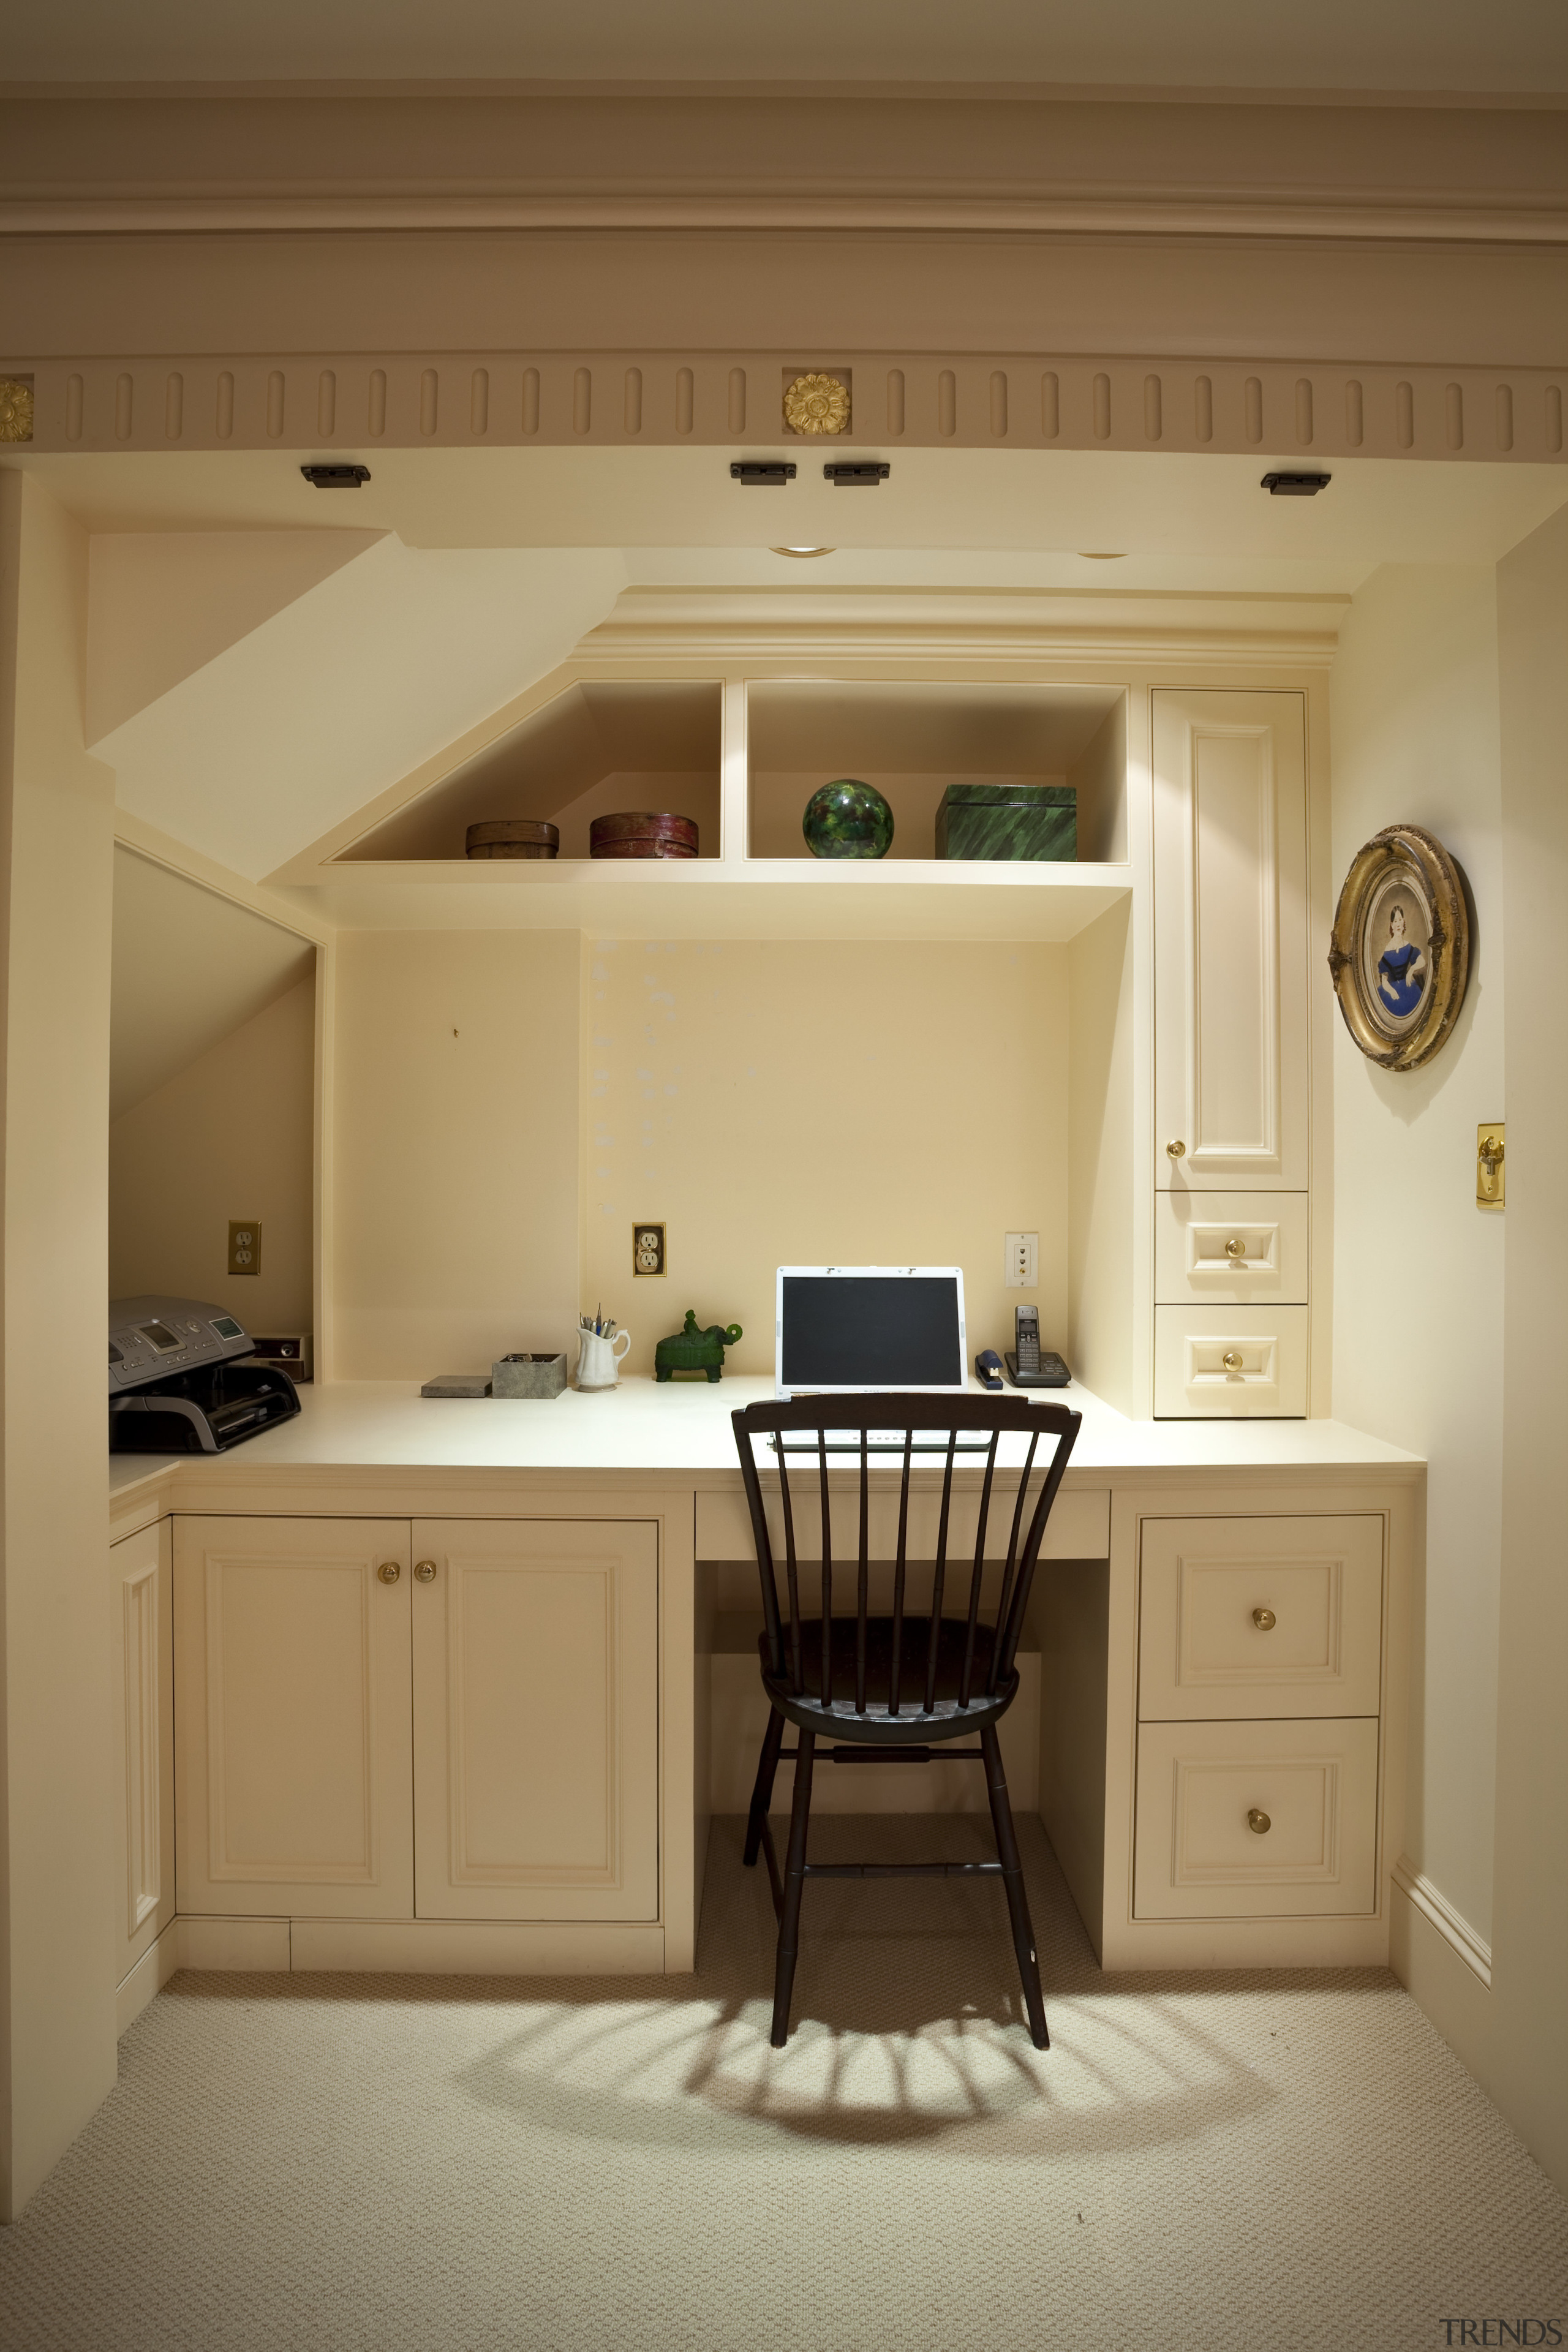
1030,1366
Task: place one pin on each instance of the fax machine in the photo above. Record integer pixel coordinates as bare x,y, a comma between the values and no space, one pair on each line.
182,1380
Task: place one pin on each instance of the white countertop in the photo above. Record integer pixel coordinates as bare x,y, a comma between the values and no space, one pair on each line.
683,1428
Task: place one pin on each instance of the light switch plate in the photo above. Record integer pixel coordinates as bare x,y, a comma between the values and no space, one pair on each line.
1490,1174
648,1248
245,1245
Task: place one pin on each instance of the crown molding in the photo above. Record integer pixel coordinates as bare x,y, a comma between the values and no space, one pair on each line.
1420,217
150,158
1000,93
353,402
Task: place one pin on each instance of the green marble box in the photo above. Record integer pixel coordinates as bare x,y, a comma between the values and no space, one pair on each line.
1008,821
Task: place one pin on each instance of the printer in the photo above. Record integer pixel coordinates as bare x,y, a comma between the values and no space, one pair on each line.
183,1379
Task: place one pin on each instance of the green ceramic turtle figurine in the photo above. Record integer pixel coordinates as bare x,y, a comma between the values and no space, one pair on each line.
692,1351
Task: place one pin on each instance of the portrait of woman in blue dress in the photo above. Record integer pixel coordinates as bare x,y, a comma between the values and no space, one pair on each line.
1401,968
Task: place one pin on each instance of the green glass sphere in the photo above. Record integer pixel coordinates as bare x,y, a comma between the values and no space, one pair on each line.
847,819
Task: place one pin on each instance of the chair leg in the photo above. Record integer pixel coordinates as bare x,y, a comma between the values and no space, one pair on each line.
1013,1881
795,1886
762,1789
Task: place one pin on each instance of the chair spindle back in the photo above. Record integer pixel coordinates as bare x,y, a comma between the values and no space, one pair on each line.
961,1430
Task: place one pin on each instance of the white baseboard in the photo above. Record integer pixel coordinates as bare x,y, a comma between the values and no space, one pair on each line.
1435,1906
240,1945
148,1978
497,1948
491,1947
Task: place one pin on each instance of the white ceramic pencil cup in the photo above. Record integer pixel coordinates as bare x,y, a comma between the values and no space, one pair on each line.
598,1365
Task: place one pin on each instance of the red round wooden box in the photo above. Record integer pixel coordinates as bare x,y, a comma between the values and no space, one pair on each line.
637,833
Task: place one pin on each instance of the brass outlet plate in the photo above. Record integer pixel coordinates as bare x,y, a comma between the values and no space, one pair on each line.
245,1245
648,1249
1490,1174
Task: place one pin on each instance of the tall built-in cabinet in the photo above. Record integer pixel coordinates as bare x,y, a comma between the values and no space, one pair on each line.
1232,1052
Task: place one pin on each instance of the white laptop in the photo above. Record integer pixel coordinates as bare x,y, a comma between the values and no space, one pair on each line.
840,1330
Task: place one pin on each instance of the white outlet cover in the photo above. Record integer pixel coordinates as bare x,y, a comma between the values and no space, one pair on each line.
1023,1261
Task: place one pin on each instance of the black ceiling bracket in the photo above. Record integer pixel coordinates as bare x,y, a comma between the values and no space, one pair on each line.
1295,485
335,478
757,476
865,475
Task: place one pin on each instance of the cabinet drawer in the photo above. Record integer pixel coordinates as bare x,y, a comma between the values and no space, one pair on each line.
1311,1787
1205,1584
1232,1360
1244,1249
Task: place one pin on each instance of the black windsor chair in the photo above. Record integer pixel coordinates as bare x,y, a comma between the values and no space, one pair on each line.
893,1688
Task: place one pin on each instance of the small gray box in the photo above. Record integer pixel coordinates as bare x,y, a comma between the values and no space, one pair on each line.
529,1376
457,1384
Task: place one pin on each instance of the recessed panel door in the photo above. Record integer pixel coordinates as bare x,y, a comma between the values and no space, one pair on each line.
292,1717
1231,1047
536,1718
143,1696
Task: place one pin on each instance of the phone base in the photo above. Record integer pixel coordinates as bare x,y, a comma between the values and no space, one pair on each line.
1053,1373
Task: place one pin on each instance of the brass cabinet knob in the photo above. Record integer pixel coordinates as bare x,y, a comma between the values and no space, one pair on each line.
1175,1150
425,1573
390,1571
1236,1247
1262,1618
1257,1821
1231,1360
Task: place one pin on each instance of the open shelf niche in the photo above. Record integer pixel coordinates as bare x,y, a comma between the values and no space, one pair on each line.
603,745
911,740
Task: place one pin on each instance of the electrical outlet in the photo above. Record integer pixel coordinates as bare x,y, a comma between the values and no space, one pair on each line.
648,1248
1023,1261
245,1245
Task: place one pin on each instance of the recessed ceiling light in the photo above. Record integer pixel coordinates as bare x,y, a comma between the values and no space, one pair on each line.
803,550
1103,555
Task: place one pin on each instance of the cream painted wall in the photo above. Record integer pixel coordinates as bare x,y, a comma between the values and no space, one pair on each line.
164,603
799,1103
1530,1940
56,1972
456,1148
1418,1264
1100,1270
229,1136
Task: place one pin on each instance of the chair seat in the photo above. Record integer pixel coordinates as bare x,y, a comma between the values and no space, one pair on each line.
875,1726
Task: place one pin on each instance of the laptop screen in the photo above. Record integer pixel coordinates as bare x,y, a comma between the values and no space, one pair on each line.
863,1328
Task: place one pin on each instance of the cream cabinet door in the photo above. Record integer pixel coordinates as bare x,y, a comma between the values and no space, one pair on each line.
536,1718
141,1635
1231,1061
293,1720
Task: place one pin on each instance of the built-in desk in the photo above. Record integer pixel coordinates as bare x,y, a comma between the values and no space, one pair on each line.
459,1682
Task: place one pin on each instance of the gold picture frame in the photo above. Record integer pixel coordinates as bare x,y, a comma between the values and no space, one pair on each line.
1400,955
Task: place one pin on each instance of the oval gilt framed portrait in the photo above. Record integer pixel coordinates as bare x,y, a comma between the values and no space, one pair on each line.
1401,951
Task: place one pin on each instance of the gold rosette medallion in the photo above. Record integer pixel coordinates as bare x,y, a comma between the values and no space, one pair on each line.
15,410
817,403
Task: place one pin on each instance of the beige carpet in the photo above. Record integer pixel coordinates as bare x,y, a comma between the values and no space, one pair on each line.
442,2164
